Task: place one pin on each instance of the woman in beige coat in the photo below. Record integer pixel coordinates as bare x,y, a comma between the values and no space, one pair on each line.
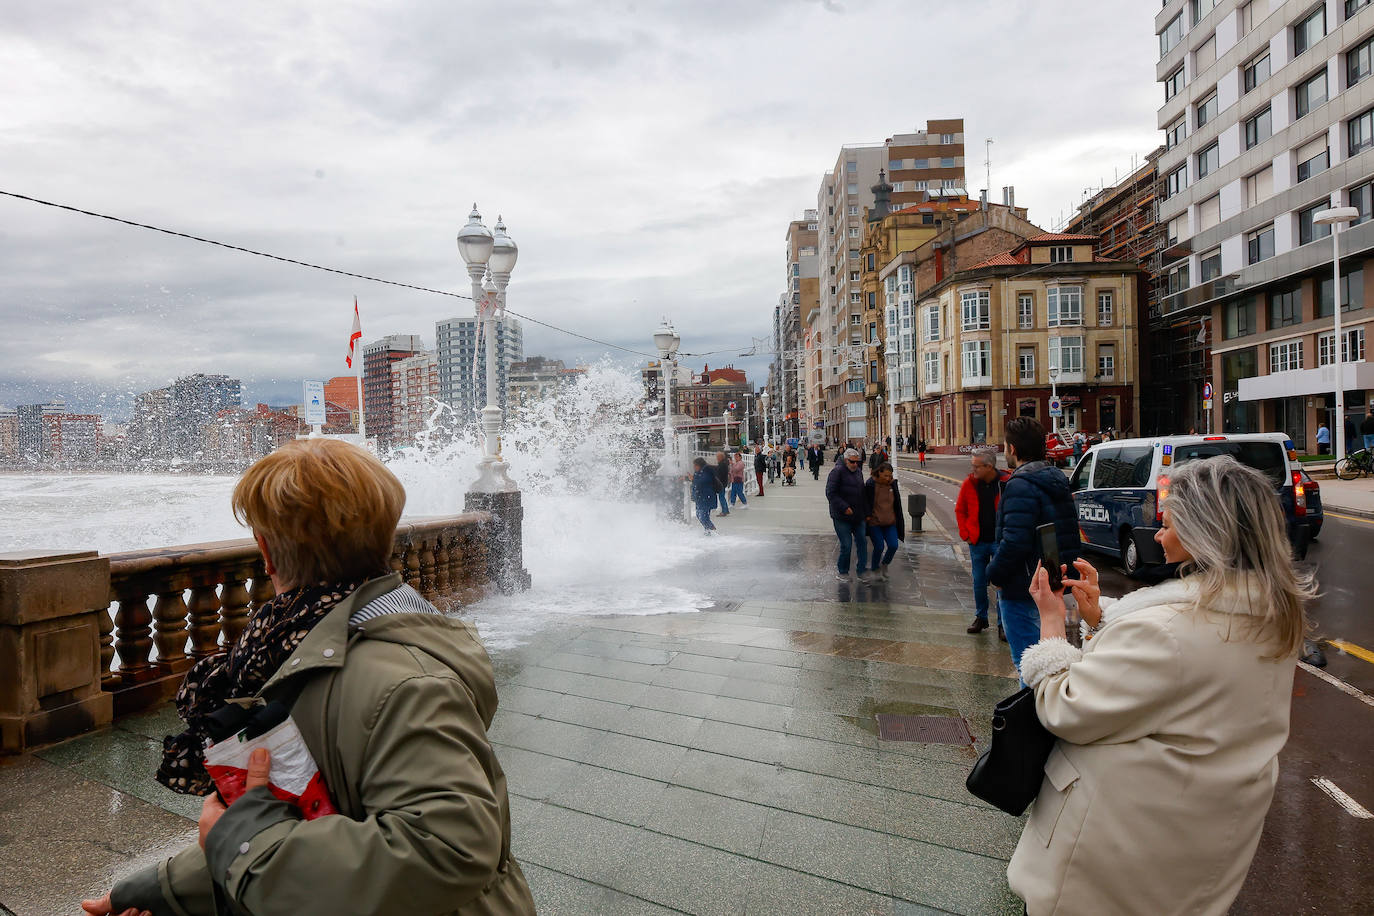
1171,718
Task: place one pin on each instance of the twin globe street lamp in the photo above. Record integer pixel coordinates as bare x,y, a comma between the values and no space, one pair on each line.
1336,217
667,341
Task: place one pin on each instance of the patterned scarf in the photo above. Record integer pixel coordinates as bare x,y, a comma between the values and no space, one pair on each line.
273,633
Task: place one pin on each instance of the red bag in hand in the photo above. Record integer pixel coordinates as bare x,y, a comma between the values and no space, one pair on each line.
294,777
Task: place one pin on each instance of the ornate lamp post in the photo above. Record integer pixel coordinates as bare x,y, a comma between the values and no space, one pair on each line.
667,341
1336,217
726,416
1054,393
490,257
767,416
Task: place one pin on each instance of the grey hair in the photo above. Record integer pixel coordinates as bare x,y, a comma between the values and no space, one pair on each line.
986,455
1228,519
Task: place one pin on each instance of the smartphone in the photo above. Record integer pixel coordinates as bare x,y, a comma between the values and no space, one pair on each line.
1049,554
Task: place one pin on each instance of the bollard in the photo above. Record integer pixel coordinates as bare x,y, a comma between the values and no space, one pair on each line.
916,507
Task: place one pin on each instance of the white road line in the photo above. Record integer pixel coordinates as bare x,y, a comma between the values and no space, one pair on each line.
1352,807
1339,684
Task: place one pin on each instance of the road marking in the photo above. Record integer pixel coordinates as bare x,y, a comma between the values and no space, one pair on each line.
1351,518
1339,684
1352,807
1351,649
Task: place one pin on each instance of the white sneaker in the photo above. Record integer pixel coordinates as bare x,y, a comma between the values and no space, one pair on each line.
864,578
843,577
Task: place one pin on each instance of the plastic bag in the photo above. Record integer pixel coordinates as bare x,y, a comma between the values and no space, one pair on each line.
294,776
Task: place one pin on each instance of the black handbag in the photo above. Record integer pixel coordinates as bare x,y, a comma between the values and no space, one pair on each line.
1010,772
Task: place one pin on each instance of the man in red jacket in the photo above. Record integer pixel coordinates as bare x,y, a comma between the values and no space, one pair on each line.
976,510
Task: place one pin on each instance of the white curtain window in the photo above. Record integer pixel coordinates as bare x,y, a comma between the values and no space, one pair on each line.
1178,227
932,322
1205,55
1352,347
1104,309
1025,310
976,310
1065,305
1209,213
1067,353
1025,360
1285,356
931,363
977,359
1106,361
1259,186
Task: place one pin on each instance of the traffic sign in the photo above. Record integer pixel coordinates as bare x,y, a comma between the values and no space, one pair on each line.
1207,391
1056,407
731,405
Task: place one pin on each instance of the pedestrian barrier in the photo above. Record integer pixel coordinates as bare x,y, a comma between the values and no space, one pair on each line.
916,508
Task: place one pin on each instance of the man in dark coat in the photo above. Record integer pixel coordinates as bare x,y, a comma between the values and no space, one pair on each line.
722,471
814,456
1035,494
760,466
844,490
705,486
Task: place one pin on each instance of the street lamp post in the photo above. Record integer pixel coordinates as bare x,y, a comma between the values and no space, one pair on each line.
1054,395
767,417
668,340
726,416
879,399
490,257
1336,217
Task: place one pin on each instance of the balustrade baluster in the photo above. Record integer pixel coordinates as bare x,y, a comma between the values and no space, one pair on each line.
203,617
427,571
262,591
105,623
169,612
412,565
133,637
233,612
441,568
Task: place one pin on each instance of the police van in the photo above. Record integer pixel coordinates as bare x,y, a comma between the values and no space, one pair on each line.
1116,489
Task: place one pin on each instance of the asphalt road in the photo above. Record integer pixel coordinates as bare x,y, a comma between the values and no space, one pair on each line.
1317,851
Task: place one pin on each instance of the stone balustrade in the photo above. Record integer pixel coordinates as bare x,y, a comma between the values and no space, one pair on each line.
69,662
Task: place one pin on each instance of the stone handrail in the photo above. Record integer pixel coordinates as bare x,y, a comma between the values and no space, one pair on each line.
75,664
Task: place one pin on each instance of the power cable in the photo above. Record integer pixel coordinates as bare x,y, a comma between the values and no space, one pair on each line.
299,263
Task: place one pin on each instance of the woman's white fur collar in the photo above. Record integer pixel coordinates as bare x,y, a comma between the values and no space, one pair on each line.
1048,656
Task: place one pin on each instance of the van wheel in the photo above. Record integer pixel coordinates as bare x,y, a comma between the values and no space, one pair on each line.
1130,555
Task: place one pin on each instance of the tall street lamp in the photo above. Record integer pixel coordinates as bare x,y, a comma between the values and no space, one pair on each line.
726,416
667,341
879,399
767,418
1336,217
1054,395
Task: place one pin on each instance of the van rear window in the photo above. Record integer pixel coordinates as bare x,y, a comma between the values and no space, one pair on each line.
1267,457
1127,466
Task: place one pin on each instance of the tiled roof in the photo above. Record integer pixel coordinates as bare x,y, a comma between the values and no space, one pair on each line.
1005,259
1062,237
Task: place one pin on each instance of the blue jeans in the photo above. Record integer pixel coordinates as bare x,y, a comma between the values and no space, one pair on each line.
724,508
1369,441
850,534
1021,620
981,554
737,492
704,514
880,535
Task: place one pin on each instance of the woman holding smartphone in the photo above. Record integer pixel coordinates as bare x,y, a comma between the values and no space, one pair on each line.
1171,718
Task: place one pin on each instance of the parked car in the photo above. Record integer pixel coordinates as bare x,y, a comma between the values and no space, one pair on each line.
1120,488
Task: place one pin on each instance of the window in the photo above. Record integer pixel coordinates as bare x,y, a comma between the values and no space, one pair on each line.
1313,158
1285,356
853,276
1353,6
1176,278
1209,160
1359,61
853,232
1175,133
1259,244
872,300
1025,310
853,254
1104,309
1061,254
918,185
1285,308
851,166
930,362
932,323
1247,18
1171,36
1176,181
1065,305
1209,265
1206,54
1310,93
1352,347
1201,8
1256,71
1173,84
1025,364
1067,353
870,262
856,299
1360,132
946,139
853,209
854,386
873,372
975,309
1361,197
1309,30
977,360
1352,293
1209,213
1240,318
1123,468
852,188
1258,128
1207,108
949,183
1259,186
947,162
812,227
1106,361
1309,230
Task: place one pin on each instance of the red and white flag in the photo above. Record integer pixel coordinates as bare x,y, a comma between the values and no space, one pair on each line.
355,335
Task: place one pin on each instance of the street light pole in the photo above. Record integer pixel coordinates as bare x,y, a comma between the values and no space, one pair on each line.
1336,217
667,340
726,416
765,397
1054,395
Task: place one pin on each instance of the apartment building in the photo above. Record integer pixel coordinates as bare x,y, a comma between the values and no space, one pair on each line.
378,358
917,164
414,396
1268,117
796,309
463,364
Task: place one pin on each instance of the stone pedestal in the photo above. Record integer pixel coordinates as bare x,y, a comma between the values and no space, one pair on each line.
50,647
504,537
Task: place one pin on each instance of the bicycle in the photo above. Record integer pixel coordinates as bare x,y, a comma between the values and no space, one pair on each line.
1355,464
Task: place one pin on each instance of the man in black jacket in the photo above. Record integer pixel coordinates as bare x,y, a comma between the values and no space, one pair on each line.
722,471
1037,493
844,489
760,466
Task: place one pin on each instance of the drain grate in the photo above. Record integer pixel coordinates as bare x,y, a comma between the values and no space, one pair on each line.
924,729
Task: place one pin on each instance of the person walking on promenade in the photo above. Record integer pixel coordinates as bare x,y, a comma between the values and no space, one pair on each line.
1171,717
737,475
1367,429
879,457
976,512
921,452
1035,494
1323,440
390,697
760,465
815,455
886,523
844,490
789,466
705,489
722,472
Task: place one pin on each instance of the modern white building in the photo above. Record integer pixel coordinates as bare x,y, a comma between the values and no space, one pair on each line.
463,363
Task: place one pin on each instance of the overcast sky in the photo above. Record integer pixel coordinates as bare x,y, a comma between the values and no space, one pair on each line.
647,157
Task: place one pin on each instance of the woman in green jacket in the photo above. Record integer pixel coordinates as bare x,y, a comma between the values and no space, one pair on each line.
391,698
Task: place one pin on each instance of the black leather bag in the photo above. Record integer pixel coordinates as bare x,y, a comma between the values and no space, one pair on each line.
1010,772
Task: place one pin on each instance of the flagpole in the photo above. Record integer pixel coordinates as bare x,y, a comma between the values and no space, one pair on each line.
362,420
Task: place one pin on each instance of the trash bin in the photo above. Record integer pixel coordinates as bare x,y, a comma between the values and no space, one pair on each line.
916,507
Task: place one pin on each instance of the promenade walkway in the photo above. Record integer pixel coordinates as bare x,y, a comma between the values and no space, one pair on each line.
720,762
